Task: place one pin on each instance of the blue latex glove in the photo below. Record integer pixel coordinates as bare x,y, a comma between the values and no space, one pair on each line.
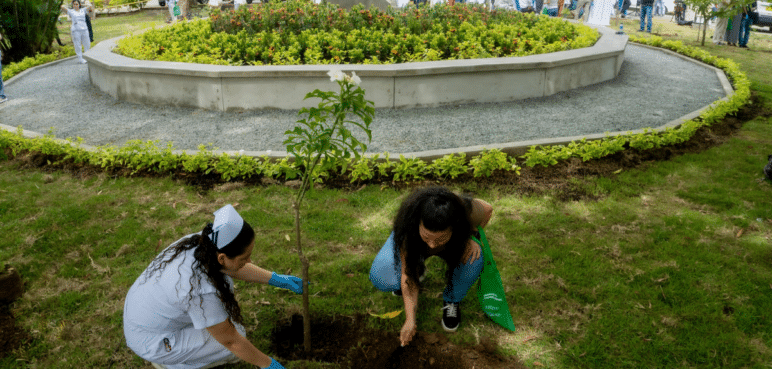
275,365
289,282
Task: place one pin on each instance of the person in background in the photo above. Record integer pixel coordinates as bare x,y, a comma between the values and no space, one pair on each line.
646,14
733,27
749,16
78,30
537,6
526,6
719,33
182,313
581,11
170,4
625,5
552,8
659,8
90,15
3,98
238,3
432,221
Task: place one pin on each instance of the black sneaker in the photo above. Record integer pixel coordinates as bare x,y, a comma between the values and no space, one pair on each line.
451,316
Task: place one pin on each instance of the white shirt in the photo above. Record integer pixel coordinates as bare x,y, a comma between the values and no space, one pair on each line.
214,2
160,304
78,20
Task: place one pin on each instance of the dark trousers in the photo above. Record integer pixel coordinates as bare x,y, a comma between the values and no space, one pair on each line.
90,31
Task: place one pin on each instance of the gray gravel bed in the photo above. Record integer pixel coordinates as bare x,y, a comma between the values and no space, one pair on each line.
652,88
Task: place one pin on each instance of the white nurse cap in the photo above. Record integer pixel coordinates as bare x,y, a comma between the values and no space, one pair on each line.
227,225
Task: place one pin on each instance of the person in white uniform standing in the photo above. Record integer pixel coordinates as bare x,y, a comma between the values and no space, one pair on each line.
170,4
79,30
182,313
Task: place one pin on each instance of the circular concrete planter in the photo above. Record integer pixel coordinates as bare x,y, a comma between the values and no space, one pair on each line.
406,85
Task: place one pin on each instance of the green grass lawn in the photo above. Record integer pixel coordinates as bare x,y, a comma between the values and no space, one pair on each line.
670,268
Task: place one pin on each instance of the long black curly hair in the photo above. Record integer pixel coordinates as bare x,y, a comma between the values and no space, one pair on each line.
206,264
439,209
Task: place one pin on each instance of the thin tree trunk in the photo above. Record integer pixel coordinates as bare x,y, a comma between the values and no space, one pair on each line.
304,270
704,28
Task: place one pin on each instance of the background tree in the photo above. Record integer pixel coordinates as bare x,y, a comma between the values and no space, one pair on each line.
319,143
705,9
28,27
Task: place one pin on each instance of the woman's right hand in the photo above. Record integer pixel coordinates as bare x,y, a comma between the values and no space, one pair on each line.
407,333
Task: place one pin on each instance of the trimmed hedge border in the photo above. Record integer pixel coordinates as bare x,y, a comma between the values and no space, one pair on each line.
138,156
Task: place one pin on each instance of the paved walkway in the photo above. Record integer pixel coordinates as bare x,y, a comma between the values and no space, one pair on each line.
653,88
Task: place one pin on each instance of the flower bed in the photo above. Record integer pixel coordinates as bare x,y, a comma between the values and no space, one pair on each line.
301,32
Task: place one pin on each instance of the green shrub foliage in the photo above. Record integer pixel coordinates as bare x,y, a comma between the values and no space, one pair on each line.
301,32
28,27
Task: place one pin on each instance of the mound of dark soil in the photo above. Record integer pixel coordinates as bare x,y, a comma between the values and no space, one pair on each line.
347,342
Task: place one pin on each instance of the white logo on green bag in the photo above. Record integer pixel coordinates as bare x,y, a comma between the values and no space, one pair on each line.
491,296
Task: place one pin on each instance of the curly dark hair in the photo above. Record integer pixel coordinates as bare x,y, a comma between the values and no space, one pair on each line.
206,264
439,209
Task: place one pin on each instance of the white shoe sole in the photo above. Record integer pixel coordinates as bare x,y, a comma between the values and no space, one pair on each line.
449,329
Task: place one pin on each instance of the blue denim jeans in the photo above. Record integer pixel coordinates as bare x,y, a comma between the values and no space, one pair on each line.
745,30
2,93
646,12
386,274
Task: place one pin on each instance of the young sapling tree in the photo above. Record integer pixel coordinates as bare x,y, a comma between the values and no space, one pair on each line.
320,142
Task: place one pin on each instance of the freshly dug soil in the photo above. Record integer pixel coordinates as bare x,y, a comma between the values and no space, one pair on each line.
11,288
346,341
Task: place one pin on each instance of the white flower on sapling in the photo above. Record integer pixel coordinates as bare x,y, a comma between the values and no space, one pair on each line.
336,75
354,79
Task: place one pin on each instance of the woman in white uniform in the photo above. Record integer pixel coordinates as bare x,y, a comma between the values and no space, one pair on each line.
182,313
601,11
79,29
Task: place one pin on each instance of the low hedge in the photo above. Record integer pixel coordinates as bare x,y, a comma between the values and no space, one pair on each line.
301,32
587,150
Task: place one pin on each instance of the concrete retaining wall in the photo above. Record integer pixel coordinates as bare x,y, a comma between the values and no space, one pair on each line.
406,85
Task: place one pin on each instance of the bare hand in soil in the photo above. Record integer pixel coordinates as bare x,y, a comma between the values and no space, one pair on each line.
407,333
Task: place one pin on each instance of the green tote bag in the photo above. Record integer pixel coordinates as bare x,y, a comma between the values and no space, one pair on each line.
490,290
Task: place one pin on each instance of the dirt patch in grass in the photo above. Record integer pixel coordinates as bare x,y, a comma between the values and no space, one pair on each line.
11,288
347,341
13,336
